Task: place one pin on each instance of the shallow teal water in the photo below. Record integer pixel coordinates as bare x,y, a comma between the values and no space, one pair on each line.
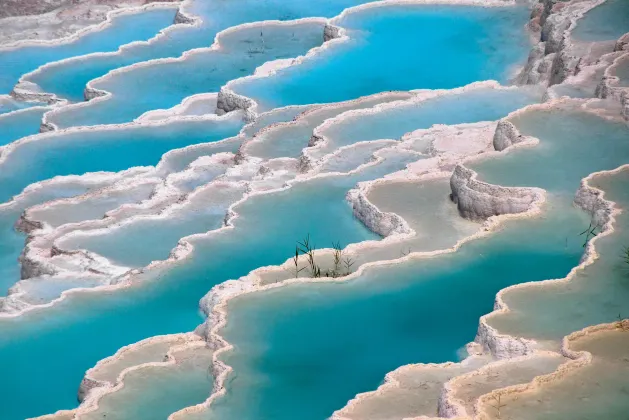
585,142
67,80
103,150
606,22
460,37
157,392
8,105
20,124
12,242
203,71
137,244
473,106
93,326
124,29
296,342
362,329
622,72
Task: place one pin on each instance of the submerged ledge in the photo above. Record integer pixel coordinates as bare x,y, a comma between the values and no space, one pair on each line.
214,304
27,90
500,346
585,197
36,260
93,94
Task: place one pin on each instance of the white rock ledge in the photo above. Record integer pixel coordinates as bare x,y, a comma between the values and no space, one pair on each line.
551,60
506,135
382,223
478,200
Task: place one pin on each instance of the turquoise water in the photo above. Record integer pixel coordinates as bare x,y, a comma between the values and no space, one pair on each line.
473,106
585,142
606,22
203,71
149,239
7,104
289,140
103,150
156,392
335,340
296,342
124,29
20,124
460,37
622,72
11,242
598,294
67,80
93,326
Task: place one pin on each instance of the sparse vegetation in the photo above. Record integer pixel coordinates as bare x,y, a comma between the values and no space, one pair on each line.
622,324
342,264
338,255
348,263
308,249
498,406
296,262
590,232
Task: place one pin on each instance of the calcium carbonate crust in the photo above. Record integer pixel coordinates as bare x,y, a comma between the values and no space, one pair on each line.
27,90
609,87
551,60
507,348
214,302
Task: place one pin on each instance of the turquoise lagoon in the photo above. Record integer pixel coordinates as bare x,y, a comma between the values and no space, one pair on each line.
20,124
472,106
439,41
156,392
12,242
8,104
479,105
598,293
468,107
606,22
295,342
93,326
585,143
336,340
622,72
123,29
84,151
68,79
137,92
